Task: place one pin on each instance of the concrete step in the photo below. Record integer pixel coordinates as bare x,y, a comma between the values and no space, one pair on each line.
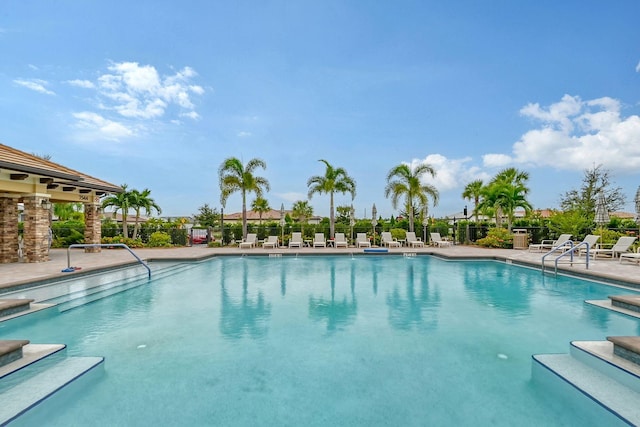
613,387
25,395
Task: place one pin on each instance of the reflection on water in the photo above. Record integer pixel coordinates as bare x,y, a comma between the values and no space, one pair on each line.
336,313
246,316
506,289
414,310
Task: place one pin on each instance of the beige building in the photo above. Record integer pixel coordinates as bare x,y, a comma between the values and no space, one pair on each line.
37,183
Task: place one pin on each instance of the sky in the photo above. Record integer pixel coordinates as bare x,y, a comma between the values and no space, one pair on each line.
156,94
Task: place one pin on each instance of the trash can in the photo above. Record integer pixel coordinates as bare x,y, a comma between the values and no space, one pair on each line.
520,239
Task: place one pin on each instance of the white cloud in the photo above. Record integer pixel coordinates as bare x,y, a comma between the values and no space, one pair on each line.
138,91
496,160
35,84
81,83
33,67
244,134
576,134
95,127
292,197
450,173
638,67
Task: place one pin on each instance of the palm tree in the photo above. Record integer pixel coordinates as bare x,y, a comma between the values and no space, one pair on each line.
473,191
120,202
334,180
302,211
67,211
506,192
138,202
402,180
260,205
234,176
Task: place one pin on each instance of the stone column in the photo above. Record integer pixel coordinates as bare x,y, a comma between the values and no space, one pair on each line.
36,228
92,226
8,230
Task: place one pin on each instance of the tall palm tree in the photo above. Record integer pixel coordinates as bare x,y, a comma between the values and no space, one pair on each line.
334,180
67,211
234,176
402,180
120,202
139,201
302,211
473,191
506,192
260,205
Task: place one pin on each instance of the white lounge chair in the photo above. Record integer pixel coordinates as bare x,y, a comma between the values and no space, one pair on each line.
622,246
296,240
591,240
414,241
437,240
340,241
362,241
388,240
551,244
249,242
271,242
319,241
631,256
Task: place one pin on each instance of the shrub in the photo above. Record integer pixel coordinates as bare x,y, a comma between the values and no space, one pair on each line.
137,243
159,239
497,238
398,233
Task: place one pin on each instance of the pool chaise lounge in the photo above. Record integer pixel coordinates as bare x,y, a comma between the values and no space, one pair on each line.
271,242
388,240
249,242
319,241
362,241
437,240
340,241
620,248
414,241
550,244
296,240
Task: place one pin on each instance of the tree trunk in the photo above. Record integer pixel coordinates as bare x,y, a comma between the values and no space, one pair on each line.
244,215
331,218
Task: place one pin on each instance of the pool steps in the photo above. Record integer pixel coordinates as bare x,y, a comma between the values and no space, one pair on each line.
600,376
23,390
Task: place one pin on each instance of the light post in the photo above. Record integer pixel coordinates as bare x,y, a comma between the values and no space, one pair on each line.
352,220
374,221
466,219
424,224
282,223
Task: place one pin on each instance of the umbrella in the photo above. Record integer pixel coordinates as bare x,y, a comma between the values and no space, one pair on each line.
637,200
602,215
282,223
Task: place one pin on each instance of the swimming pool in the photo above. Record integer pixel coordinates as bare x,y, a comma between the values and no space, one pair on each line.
369,340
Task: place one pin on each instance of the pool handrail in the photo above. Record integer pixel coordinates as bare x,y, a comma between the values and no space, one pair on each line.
102,245
572,249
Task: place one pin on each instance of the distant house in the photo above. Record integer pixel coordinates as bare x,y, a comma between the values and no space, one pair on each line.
254,217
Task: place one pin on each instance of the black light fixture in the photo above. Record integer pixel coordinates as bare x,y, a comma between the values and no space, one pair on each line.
45,204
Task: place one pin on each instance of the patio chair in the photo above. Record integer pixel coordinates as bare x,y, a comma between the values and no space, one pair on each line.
319,241
437,240
296,240
271,242
631,256
340,241
388,240
362,241
414,241
249,242
591,240
622,246
551,244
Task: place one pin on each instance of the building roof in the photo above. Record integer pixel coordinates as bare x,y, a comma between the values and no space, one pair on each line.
271,215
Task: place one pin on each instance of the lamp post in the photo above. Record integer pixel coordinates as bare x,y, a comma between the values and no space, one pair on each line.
374,221
282,223
352,220
466,219
424,224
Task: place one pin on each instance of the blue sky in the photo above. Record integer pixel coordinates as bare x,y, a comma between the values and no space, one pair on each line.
156,94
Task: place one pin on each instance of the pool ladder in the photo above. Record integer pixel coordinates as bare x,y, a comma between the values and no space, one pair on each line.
567,252
105,245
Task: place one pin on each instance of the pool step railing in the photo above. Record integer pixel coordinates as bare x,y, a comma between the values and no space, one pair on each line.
105,245
592,373
568,249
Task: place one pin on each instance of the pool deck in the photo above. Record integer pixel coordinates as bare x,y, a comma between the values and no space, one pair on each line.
20,273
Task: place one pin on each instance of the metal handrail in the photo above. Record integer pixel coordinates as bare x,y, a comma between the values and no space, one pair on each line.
570,252
102,245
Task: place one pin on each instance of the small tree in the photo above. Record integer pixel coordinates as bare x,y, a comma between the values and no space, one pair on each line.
207,216
583,200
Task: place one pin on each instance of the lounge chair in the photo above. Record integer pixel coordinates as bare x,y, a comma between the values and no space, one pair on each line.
437,240
319,241
296,240
249,242
362,241
340,241
622,246
591,240
388,240
414,241
551,244
271,242
631,256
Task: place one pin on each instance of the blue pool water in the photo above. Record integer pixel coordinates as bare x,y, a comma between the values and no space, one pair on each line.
313,341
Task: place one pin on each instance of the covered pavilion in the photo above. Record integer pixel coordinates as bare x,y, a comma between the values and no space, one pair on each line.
37,183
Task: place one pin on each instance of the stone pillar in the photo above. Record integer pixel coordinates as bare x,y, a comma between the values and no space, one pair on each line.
8,230
92,226
36,228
